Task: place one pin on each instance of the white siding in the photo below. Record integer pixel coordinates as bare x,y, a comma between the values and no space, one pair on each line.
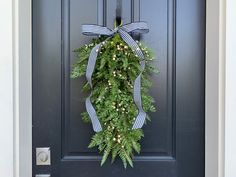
6,90
230,96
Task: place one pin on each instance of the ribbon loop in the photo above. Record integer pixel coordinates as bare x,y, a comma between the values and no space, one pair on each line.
94,30
136,27
123,31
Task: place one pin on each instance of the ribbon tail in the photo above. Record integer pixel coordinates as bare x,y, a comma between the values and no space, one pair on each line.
140,119
92,114
89,71
131,43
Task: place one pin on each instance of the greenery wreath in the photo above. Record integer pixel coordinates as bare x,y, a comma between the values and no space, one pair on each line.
112,95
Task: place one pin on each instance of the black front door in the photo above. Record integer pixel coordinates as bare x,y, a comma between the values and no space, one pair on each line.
174,140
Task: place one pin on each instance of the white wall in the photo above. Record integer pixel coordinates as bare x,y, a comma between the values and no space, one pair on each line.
6,90
230,96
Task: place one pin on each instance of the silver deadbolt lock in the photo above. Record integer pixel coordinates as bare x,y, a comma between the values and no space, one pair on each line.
43,156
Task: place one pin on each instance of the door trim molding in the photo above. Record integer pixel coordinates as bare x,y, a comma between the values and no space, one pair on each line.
22,56
215,82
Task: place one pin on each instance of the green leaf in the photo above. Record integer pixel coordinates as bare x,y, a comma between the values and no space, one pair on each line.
115,151
123,158
105,155
85,117
125,63
129,159
136,146
102,63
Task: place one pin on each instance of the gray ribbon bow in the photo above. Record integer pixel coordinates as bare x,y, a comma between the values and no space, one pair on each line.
124,31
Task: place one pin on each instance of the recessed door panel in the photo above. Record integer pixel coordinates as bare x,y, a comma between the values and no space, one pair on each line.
173,145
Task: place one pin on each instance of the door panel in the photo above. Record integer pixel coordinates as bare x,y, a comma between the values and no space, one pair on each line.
174,140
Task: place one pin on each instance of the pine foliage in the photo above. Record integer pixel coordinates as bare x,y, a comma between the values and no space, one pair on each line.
112,95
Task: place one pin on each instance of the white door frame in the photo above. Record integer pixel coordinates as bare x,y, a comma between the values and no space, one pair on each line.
214,91
22,86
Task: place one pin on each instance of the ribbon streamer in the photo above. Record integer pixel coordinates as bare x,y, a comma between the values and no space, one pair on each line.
124,31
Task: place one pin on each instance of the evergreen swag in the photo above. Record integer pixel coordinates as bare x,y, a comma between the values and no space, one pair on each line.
112,95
